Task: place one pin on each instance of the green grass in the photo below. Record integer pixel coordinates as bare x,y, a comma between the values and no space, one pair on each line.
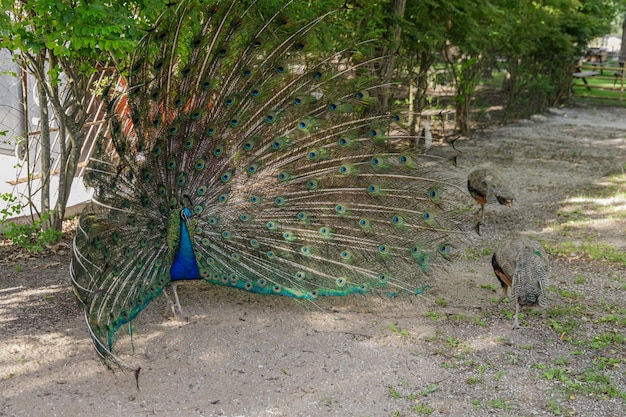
424,409
602,87
592,249
499,404
476,252
591,381
434,316
419,407
401,332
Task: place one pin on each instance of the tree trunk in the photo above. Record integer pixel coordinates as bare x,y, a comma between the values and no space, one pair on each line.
70,113
394,32
26,137
622,51
418,86
44,141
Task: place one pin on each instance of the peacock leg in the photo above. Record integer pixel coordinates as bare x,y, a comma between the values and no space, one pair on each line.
174,305
480,219
516,322
179,309
504,294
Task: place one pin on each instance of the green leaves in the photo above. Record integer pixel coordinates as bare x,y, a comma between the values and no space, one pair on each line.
76,30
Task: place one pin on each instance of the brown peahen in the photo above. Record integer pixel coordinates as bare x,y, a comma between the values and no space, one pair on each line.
486,186
520,264
244,156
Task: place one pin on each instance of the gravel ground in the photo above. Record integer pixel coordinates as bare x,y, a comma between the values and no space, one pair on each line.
450,352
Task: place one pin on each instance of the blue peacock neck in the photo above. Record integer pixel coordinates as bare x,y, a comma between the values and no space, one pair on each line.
184,266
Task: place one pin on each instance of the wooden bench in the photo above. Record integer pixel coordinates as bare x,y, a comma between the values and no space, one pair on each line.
584,75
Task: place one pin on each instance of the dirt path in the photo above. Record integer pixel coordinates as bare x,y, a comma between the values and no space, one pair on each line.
451,352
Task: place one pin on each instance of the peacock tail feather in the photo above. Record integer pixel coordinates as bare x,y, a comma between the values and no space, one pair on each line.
242,159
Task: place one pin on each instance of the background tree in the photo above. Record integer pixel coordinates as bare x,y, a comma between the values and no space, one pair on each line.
53,37
541,44
535,41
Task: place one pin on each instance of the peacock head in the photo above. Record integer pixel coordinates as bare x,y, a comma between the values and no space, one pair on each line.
185,214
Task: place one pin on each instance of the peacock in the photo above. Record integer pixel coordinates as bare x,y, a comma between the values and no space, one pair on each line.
486,186
520,264
244,155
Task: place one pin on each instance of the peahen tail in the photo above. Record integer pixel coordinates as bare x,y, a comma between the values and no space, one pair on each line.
521,264
243,156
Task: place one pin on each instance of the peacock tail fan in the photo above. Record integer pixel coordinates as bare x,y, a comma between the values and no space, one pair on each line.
243,157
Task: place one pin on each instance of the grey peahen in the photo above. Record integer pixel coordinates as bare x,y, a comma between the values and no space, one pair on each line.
520,264
244,156
486,186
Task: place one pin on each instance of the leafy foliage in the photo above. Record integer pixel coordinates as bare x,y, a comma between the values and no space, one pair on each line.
32,236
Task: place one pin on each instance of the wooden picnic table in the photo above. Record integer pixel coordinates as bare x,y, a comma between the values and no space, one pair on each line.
584,75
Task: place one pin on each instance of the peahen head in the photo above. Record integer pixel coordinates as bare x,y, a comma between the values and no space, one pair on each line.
504,200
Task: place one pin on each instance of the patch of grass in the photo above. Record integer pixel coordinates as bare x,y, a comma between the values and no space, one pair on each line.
394,393
537,365
420,408
554,407
605,340
561,311
401,332
434,316
604,363
510,313
565,328
557,374
598,96
576,214
572,295
612,307
562,360
475,253
456,343
478,378
511,358
442,302
429,390
474,379
590,248
612,319
456,364
591,381
424,409
480,321
500,404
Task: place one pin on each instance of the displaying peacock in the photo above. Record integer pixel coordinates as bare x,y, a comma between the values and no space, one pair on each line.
521,264
486,186
243,156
